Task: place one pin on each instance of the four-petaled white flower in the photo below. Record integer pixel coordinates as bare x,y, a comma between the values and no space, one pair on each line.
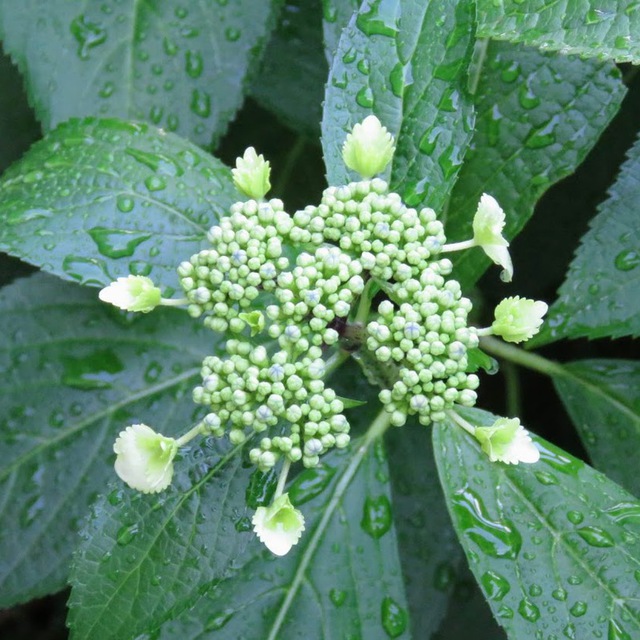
369,148
488,224
507,441
251,175
145,458
518,319
132,293
278,526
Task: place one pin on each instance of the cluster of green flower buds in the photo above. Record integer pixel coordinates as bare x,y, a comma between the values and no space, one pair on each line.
251,390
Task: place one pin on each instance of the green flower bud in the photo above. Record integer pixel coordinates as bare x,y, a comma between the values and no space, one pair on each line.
251,175
518,319
369,148
278,526
133,293
488,224
507,441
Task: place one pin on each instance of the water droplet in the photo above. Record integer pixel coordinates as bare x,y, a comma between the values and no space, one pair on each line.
429,140
379,21
172,122
627,260
505,612
540,137
87,34
125,203
535,590
169,47
337,597
117,243
569,631
598,15
218,620
495,586
88,271
546,478
193,63
450,71
528,610
261,488
511,72
115,497
126,534
450,100
231,34
155,183
499,539
157,162
559,594
310,483
493,126
201,103
243,524
526,97
625,512
107,90
444,576
96,370
616,632
578,609
364,97
393,617
376,516
363,66
349,56
575,517
596,537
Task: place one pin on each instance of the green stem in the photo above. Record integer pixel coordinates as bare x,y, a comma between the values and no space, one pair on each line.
375,431
335,361
282,480
173,302
362,314
190,435
520,356
291,162
459,246
461,422
512,384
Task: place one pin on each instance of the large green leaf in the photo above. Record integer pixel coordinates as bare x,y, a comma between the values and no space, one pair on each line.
591,28
538,116
555,545
342,580
600,294
98,199
178,65
143,559
336,14
430,553
294,69
407,63
602,399
74,374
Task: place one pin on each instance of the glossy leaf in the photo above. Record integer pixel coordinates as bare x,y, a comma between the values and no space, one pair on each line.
602,399
143,559
538,116
341,580
392,62
602,29
599,297
74,374
294,70
430,553
336,14
179,66
555,545
98,199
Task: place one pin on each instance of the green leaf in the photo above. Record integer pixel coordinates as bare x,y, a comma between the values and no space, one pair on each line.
392,62
430,553
596,29
98,199
599,297
555,545
601,396
350,403
336,14
75,374
341,580
538,116
143,559
180,66
294,69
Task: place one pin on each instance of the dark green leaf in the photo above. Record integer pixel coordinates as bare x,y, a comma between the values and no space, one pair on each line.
179,66
350,403
602,29
294,69
430,553
538,116
392,62
602,399
342,580
75,374
98,199
143,559
337,14
555,545
600,294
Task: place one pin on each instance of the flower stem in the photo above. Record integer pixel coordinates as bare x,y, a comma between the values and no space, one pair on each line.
282,480
487,331
460,421
362,314
524,358
459,246
190,435
335,361
173,302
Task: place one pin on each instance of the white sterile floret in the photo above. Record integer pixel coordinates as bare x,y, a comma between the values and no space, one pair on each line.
369,148
132,293
518,319
145,458
507,441
488,224
278,526
251,175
